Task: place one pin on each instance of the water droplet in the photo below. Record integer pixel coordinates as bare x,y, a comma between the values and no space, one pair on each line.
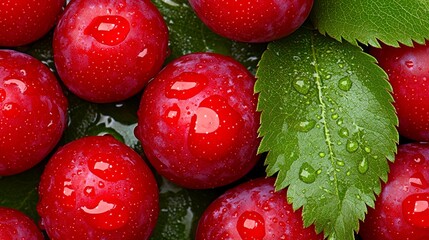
409,64
345,83
89,191
307,173
172,114
306,126
339,121
352,146
107,214
101,184
363,166
20,85
415,209
107,166
143,53
367,149
186,85
214,127
334,116
302,85
343,132
322,154
319,171
296,58
348,173
340,163
418,180
68,198
109,30
251,225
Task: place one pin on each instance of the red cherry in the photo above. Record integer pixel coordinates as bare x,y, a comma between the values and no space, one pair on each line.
106,51
98,188
402,209
25,21
253,21
408,70
198,121
253,211
33,112
15,225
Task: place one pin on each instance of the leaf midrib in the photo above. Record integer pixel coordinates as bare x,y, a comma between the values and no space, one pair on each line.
323,114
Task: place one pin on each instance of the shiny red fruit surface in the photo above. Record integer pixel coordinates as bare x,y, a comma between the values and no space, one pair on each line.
15,225
97,188
198,121
253,211
106,51
408,70
33,112
402,209
25,21
255,20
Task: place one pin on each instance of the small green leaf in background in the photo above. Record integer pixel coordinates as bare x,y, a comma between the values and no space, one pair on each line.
328,124
367,21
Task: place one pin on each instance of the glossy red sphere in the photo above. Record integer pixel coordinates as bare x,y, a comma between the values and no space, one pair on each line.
254,20
98,188
402,209
408,70
107,50
33,112
198,121
253,211
25,21
15,225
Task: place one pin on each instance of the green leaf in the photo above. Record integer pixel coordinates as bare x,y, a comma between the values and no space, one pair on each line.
187,34
20,191
367,21
328,124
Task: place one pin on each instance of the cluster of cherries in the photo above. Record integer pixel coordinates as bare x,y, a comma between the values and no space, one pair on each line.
197,123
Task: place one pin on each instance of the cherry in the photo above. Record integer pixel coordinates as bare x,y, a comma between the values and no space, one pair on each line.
106,51
25,21
253,211
98,188
402,209
408,70
16,225
33,112
253,21
198,121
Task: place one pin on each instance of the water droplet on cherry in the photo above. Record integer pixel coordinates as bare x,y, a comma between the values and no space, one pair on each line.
68,197
20,85
415,209
106,214
107,166
251,226
409,64
2,94
109,29
418,180
172,114
186,85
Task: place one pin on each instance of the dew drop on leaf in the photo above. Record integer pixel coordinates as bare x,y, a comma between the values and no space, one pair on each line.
305,126
352,146
345,83
340,163
307,173
302,86
363,166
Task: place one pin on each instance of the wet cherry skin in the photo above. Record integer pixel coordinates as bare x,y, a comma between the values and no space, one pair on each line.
106,51
16,225
33,112
255,20
402,209
25,21
97,188
198,121
408,70
253,211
